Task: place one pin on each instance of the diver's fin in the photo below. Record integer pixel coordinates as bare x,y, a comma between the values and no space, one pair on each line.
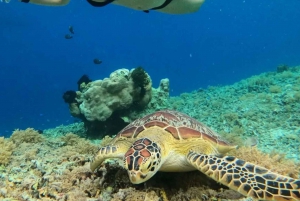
167,2
99,4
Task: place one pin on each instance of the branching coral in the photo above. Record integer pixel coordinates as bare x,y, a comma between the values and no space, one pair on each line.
275,162
70,139
29,136
82,146
6,149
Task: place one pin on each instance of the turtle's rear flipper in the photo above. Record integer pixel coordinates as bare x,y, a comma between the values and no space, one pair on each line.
247,178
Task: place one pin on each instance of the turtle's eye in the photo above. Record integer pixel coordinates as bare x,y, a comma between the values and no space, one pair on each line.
149,165
146,165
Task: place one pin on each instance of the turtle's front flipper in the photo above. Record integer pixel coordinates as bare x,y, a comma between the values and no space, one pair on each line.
105,153
247,178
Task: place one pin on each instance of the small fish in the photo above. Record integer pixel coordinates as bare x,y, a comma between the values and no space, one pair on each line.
68,36
71,29
97,61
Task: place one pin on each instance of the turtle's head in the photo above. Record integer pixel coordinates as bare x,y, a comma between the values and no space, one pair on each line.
142,160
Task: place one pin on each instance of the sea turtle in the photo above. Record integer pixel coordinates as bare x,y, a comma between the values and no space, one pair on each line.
171,141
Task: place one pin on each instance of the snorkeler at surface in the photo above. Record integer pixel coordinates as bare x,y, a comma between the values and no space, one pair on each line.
165,6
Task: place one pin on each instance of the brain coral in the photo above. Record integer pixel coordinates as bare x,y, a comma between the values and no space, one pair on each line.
99,99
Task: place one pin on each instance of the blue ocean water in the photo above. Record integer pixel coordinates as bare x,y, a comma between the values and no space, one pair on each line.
224,42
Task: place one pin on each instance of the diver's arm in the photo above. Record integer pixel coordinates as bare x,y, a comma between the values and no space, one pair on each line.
47,2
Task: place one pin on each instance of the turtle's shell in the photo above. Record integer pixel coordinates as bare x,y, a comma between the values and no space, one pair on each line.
179,125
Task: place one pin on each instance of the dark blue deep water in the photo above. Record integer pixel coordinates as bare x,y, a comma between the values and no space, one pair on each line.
224,42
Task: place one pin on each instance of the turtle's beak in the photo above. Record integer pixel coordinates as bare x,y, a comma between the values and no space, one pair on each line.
136,177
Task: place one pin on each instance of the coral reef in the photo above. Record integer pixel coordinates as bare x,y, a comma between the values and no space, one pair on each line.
140,80
58,169
99,103
6,149
251,108
159,101
29,136
83,146
100,98
76,128
84,80
55,169
55,165
274,161
281,68
70,97
108,105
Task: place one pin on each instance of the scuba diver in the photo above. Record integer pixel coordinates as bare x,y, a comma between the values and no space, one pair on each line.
165,6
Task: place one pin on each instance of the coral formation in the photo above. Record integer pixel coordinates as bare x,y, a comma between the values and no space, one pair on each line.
101,98
249,109
159,101
83,146
140,80
6,149
70,97
54,172
84,80
76,128
275,89
29,136
56,167
98,100
104,105
274,161
281,68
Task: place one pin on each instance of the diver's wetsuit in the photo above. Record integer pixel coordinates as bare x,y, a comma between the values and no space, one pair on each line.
101,4
168,6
